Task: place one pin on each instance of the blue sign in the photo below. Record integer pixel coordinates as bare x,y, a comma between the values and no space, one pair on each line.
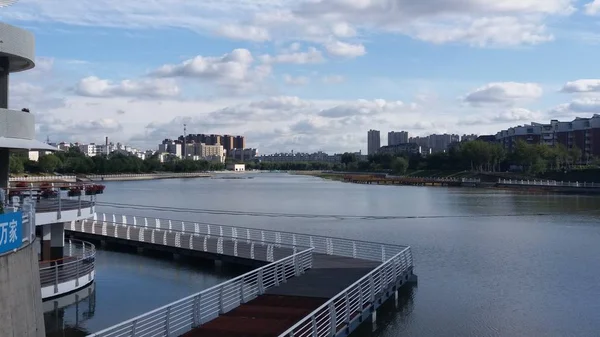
11,231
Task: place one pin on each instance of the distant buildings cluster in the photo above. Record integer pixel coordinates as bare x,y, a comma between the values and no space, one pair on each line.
401,143
209,147
580,133
93,149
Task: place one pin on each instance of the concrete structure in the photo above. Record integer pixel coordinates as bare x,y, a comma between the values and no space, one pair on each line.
291,293
373,141
242,154
171,147
301,157
17,128
400,149
531,134
435,143
468,138
236,167
395,138
20,297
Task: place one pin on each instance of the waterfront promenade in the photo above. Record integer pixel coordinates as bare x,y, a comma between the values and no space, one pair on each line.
320,286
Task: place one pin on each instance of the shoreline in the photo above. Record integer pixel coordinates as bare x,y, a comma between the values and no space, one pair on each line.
527,186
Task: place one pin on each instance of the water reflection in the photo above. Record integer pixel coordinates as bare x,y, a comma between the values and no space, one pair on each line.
391,316
64,316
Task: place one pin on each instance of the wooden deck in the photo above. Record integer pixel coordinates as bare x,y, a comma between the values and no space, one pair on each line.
281,307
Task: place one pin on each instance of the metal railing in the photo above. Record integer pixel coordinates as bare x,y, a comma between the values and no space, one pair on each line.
183,315
548,183
349,305
146,175
78,262
53,197
193,240
358,249
43,178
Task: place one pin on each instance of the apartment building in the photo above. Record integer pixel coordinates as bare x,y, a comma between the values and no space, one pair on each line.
373,141
435,143
401,149
395,138
529,133
242,154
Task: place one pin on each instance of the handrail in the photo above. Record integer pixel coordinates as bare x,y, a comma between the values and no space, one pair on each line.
325,245
57,273
548,183
41,178
350,303
185,314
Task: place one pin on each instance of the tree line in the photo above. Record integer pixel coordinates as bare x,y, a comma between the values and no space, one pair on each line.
474,156
73,161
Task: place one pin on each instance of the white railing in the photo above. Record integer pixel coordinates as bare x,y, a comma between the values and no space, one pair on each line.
79,261
146,175
43,178
358,249
183,315
350,304
547,183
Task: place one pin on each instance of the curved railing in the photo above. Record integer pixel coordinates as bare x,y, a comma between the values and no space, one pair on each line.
357,249
75,270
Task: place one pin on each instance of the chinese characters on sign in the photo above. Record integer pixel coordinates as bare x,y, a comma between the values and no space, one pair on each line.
11,231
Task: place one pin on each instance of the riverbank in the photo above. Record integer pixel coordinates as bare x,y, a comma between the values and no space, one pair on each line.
462,180
144,176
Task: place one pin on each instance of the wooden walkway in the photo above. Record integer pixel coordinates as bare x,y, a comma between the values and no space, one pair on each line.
281,307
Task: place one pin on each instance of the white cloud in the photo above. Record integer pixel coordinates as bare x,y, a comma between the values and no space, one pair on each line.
364,107
247,32
592,8
152,88
312,55
281,103
588,105
476,22
504,93
299,80
514,115
233,71
582,86
333,79
485,31
343,49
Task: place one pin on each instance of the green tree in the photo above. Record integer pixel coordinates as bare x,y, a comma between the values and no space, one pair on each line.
399,165
49,163
15,164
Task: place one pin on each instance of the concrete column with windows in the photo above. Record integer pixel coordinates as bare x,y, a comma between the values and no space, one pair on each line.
46,251
57,240
4,157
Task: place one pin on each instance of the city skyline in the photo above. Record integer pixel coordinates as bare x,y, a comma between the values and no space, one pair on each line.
284,73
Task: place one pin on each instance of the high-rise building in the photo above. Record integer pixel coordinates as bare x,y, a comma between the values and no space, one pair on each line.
373,141
227,142
396,138
239,142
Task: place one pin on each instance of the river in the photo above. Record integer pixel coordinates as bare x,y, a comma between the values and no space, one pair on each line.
489,262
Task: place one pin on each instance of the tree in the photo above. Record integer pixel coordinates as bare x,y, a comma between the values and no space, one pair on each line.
348,158
15,164
49,163
399,165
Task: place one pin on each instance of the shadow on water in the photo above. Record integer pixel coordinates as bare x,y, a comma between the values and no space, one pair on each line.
64,315
391,316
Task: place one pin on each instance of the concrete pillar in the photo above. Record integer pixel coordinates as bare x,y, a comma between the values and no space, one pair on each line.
57,241
46,251
4,65
4,158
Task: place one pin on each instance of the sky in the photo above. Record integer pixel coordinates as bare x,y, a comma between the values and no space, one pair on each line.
303,75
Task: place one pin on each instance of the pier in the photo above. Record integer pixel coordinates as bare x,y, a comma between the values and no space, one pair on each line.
304,285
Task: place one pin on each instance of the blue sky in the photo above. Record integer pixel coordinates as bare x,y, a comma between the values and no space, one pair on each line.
304,75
